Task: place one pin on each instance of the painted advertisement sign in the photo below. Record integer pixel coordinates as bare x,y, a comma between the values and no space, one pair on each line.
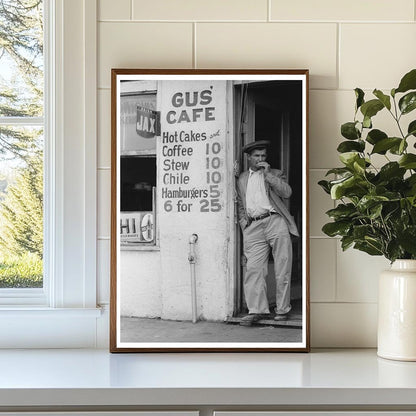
138,121
192,197
146,125
193,149
136,227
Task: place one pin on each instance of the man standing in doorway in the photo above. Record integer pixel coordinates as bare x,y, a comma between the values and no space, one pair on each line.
267,225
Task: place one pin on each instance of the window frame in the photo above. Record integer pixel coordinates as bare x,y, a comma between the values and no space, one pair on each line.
142,89
37,296
71,210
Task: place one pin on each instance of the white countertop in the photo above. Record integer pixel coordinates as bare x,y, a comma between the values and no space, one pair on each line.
96,377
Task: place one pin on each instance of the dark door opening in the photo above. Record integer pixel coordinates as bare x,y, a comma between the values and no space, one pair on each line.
272,111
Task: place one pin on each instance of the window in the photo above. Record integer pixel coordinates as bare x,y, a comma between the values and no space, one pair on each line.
64,312
21,144
137,165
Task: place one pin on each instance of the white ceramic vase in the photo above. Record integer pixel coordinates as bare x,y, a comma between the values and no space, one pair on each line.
397,312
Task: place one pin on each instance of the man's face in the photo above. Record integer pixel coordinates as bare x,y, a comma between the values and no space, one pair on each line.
256,156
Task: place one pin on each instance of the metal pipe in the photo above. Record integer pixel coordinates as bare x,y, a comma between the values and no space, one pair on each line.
191,258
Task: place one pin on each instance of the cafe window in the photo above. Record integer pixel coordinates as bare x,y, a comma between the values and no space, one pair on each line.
137,165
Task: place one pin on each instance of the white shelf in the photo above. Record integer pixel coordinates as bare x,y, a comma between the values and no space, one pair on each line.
58,378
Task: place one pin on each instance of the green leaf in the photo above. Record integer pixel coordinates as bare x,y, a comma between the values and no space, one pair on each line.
359,232
375,243
338,171
371,108
354,161
413,211
375,212
369,248
393,250
412,201
399,148
375,136
369,201
407,240
408,161
404,204
391,170
411,184
325,186
359,94
338,189
342,211
336,228
391,212
359,165
383,145
385,99
402,147
411,130
408,102
348,158
346,242
350,187
411,180
349,131
408,82
342,179
349,146
367,122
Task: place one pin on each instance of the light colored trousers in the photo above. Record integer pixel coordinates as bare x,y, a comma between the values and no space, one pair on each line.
261,236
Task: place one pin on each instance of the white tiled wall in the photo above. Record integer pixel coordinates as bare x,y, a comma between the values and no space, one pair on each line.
345,44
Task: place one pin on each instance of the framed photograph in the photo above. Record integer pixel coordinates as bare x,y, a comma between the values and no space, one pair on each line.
209,213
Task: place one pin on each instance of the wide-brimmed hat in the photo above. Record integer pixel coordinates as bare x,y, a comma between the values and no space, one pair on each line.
259,144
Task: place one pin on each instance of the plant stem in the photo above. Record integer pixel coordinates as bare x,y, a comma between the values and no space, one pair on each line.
397,118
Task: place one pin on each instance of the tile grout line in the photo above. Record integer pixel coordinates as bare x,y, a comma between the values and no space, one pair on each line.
344,302
338,64
194,62
131,10
323,237
269,11
254,21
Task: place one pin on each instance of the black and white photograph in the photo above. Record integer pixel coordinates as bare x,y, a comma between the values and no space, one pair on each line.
209,211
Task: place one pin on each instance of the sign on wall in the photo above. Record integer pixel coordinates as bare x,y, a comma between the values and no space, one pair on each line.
192,147
138,118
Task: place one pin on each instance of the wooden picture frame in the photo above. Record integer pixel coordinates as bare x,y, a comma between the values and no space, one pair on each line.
181,232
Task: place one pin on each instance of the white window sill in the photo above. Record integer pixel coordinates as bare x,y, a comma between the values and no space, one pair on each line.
39,327
34,312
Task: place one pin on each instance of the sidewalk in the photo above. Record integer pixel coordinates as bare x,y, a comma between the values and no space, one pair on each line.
158,330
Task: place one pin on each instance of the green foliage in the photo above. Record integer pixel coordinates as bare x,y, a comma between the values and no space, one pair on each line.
21,212
21,95
21,271
376,210
21,86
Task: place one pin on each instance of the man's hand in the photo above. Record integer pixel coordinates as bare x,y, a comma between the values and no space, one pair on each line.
264,165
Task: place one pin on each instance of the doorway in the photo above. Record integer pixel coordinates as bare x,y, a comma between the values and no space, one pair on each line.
272,111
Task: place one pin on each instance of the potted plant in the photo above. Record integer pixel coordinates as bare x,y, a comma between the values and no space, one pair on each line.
376,206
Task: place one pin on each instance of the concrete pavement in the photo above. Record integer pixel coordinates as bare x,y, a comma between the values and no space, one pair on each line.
158,330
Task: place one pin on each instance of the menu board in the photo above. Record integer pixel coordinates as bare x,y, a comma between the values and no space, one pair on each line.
193,148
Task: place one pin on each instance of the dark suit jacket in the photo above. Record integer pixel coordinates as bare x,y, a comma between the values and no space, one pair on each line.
277,189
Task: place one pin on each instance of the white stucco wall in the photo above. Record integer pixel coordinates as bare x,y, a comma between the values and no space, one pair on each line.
192,198
141,283
205,214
